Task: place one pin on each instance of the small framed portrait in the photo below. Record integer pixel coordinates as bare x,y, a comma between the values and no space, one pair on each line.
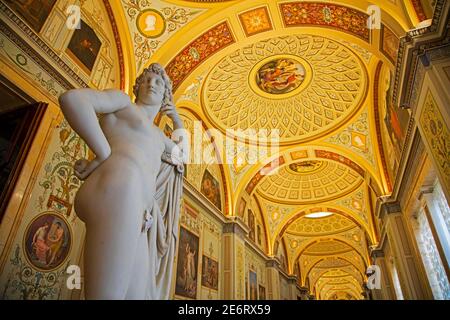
187,264
210,273
211,189
84,47
251,225
47,241
34,12
262,292
258,234
241,209
253,285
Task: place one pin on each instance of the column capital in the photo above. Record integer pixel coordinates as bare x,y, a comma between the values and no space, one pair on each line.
390,207
376,253
292,279
303,290
425,190
272,263
236,226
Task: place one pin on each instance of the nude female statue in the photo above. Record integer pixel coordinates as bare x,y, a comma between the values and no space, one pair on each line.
130,198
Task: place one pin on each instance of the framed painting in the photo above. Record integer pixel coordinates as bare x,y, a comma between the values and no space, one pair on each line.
34,12
262,292
396,122
210,189
210,273
251,224
246,289
276,247
84,47
47,241
253,285
241,209
283,261
187,264
258,234
389,43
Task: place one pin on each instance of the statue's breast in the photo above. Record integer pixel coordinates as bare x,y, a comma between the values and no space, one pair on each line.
132,118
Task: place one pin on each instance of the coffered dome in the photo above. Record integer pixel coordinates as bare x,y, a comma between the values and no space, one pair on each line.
302,85
309,181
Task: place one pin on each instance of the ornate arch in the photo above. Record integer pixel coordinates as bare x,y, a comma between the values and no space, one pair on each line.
313,241
312,209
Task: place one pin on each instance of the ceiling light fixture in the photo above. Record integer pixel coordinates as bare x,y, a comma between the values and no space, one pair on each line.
318,215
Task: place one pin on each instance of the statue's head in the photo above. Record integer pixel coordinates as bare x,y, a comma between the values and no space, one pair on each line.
153,86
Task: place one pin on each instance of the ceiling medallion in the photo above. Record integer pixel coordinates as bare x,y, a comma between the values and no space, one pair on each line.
151,23
280,76
306,167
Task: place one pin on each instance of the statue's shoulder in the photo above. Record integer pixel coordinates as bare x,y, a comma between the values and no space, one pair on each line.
117,95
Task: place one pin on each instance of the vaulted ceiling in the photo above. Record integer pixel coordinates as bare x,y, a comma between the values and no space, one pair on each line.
223,58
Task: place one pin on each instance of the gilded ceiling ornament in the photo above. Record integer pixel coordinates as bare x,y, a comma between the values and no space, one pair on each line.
355,202
255,21
209,1
192,91
305,167
364,53
301,85
327,181
321,226
356,137
328,15
276,213
294,244
176,17
151,23
328,247
299,154
198,50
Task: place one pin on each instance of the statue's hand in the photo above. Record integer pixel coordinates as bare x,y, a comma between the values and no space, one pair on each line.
171,112
83,168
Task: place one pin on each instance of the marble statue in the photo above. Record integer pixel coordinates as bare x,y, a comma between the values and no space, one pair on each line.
130,198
